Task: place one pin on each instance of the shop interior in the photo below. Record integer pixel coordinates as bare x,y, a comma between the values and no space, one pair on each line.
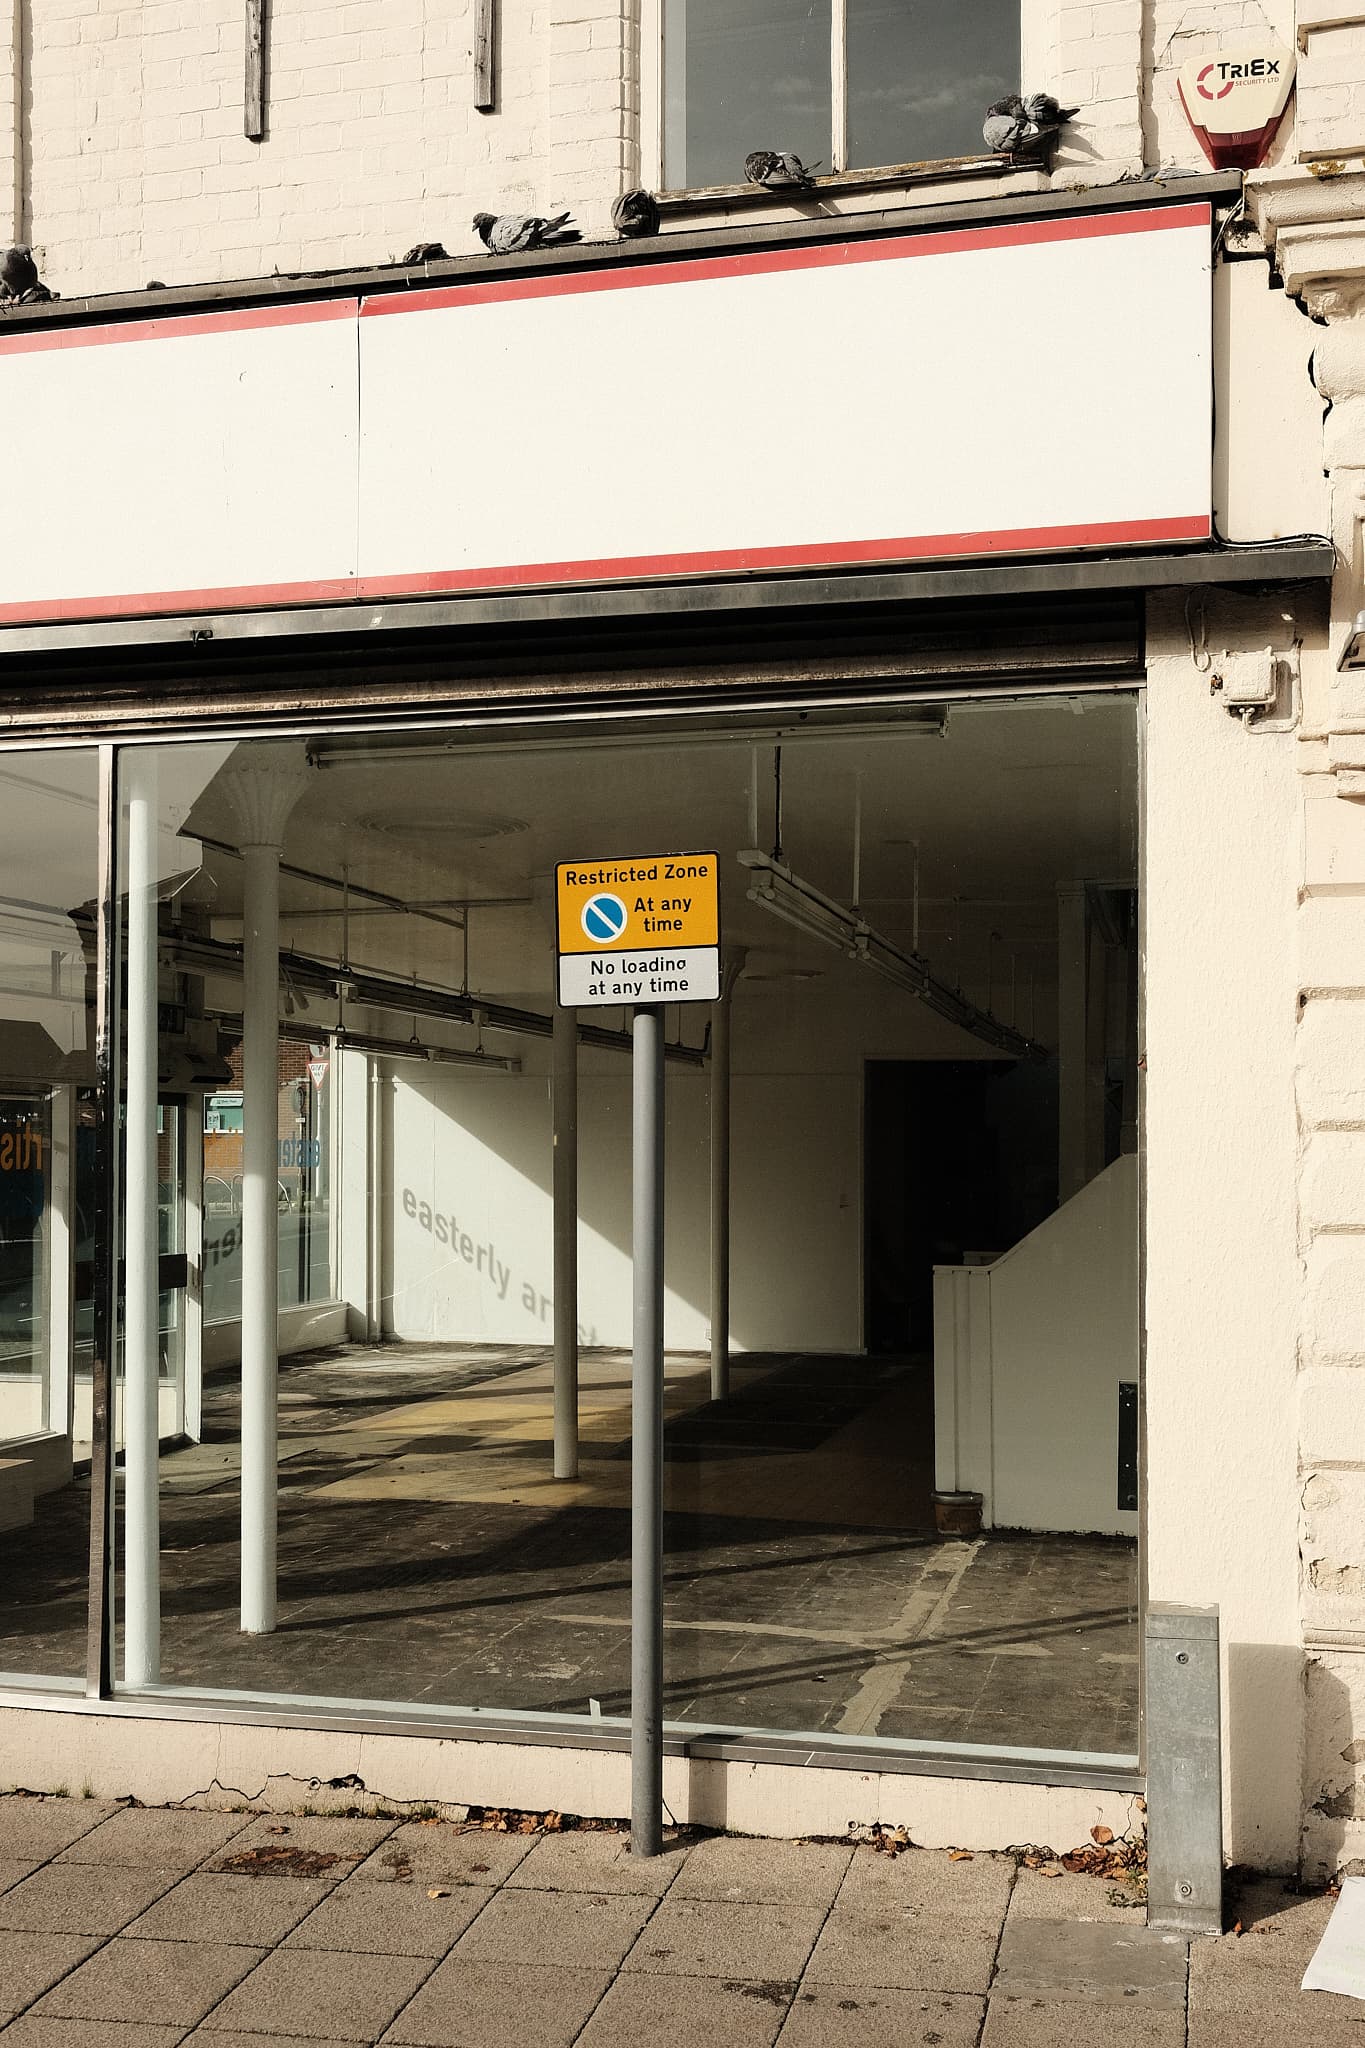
902,1397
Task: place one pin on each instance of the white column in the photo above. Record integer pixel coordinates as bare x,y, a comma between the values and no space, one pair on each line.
61,1261
264,782
565,1178
141,1338
720,1180
192,1388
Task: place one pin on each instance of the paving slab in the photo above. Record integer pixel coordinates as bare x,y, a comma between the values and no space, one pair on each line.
82,1898
1289,2028
34,1829
29,1963
1045,2023
13,1872
850,2016
240,1910
230,2039
1255,1983
598,1860
390,1920
426,1853
572,1930
764,1873
167,1983
468,2004
688,2012
1278,1924
904,1951
978,1888
1072,1896
312,1846
1091,1963
717,1938
35,2033
305,1991
168,1838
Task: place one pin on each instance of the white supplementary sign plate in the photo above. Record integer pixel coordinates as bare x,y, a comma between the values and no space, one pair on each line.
1023,388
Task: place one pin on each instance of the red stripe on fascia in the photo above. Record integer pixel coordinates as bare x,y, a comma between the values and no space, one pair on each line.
240,597
823,256
832,555
236,321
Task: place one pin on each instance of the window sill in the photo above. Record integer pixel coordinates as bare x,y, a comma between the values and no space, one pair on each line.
687,204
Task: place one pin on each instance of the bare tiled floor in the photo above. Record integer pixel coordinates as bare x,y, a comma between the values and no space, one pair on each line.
427,1553
421,1934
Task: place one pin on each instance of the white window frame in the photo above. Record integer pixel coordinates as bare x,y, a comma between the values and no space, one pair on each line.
1034,65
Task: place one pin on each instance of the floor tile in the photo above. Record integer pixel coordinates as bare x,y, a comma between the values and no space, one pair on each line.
977,1888
87,1898
168,1838
29,1963
763,1873
391,1919
167,1983
1043,2023
905,1951
31,2032
426,1853
307,1991
597,1860
850,2016
240,1910
467,2004
289,1845
688,2012
1074,1897
34,1829
718,1938
1091,1963
569,1930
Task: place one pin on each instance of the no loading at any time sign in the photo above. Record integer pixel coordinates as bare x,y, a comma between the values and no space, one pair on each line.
639,930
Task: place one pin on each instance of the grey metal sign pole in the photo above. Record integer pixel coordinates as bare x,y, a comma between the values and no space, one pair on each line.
647,1439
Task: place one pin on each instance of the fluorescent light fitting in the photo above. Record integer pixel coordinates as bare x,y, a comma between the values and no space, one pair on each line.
414,1049
775,888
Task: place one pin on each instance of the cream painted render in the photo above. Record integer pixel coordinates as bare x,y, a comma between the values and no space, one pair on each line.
121,133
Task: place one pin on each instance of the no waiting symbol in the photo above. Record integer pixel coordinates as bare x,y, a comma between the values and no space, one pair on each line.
604,917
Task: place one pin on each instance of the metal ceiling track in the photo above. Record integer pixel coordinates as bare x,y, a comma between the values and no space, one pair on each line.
775,888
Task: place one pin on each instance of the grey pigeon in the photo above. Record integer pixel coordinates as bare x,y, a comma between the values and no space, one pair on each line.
778,169
1025,130
19,277
506,234
427,252
635,213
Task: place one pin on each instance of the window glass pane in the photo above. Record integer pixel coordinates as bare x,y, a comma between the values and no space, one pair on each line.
921,74
48,861
741,75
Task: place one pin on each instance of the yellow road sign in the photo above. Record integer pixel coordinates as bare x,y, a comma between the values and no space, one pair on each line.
642,928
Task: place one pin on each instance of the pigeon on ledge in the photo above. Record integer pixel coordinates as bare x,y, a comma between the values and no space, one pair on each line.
427,252
635,214
19,279
779,169
506,234
1026,130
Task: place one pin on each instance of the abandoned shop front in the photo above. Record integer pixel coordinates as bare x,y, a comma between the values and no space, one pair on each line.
906,635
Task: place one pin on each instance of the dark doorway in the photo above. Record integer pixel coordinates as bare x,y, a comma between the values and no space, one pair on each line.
960,1162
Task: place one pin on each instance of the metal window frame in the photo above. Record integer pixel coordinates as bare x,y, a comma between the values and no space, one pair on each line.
101,1691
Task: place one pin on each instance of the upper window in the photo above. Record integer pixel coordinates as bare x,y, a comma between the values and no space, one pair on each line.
846,84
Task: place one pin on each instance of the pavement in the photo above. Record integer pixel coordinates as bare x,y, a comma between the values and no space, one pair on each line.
141,1927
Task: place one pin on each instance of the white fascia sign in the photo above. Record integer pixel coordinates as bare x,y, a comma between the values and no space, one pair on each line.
1234,99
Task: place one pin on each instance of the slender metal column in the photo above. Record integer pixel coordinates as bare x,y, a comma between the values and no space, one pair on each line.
720,1181
192,1390
565,1111
1073,940
141,1332
260,1235
647,1440
99,1674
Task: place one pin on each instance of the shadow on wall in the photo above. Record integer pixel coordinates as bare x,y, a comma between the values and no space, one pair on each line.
1263,1772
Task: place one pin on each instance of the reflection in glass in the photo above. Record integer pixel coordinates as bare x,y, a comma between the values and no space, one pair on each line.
48,862
741,75
921,74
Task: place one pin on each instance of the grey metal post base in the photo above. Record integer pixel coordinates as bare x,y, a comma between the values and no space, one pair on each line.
1184,1771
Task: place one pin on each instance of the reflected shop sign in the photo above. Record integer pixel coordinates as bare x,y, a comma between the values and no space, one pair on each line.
1022,387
